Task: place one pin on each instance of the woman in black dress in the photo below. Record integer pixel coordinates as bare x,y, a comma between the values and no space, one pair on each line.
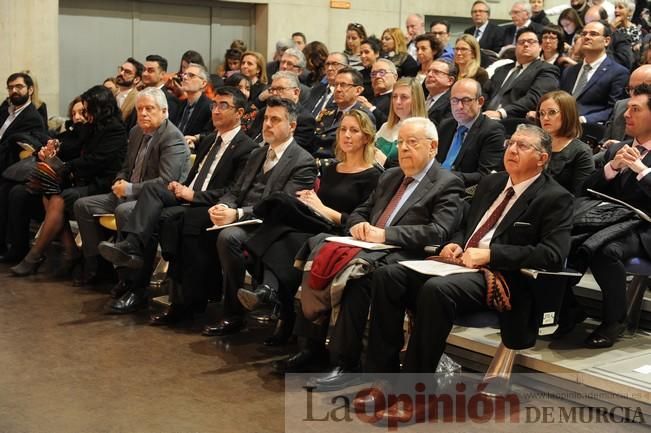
342,187
571,162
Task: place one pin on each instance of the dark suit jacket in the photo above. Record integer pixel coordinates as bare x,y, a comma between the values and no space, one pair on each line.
627,188
200,120
382,106
525,92
326,131
534,233
482,150
429,216
599,95
303,134
173,105
167,158
492,38
510,31
295,171
316,93
441,109
29,122
620,49
228,169
616,125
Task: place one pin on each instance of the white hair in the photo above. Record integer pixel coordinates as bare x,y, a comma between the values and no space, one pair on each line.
287,75
423,122
156,94
298,55
203,74
389,65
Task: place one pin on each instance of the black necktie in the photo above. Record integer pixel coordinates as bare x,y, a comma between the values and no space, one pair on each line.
141,159
496,101
205,165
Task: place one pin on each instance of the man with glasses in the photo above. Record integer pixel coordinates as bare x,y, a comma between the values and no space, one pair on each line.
348,85
383,77
321,93
489,35
520,218
516,89
127,79
292,61
521,16
18,118
470,144
415,24
413,205
285,84
598,81
194,113
441,32
440,77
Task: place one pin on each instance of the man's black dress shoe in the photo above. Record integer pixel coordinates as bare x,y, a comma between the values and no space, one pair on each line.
122,254
120,288
263,294
567,325
303,361
605,336
130,302
338,378
282,334
227,326
171,317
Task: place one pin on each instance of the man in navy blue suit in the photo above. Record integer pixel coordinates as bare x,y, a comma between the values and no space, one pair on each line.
598,81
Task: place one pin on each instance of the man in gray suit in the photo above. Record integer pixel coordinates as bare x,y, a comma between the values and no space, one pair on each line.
280,165
157,153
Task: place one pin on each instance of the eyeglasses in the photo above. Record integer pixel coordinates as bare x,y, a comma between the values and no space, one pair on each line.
189,75
344,86
551,113
16,87
437,72
125,71
461,49
523,42
479,11
592,34
288,64
221,106
334,65
279,89
550,38
462,101
379,73
520,145
516,12
411,142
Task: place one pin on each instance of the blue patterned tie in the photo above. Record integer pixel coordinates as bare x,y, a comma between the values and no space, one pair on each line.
455,147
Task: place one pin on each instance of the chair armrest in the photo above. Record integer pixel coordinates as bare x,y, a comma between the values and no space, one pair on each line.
534,273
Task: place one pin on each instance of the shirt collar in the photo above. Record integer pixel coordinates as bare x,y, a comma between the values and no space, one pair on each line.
595,65
646,145
282,148
228,136
421,174
15,111
520,188
472,122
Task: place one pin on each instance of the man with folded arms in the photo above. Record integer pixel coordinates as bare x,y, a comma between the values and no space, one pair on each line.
414,205
218,164
520,218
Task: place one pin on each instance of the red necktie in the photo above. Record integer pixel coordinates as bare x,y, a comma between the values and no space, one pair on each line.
382,221
473,242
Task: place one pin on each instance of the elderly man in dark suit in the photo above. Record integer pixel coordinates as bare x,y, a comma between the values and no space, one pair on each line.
156,153
281,165
322,92
520,218
438,81
216,168
489,34
470,144
18,116
414,205
521,16
598,81
625,176
383,77
516,89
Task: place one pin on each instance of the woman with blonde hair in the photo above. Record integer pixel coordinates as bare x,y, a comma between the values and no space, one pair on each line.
467,58
394,48
36,100
407,100
254,67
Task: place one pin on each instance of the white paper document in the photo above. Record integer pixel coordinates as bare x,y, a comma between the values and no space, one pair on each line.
434,268
348,240
239,223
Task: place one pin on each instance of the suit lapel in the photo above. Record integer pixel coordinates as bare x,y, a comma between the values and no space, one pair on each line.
603,68
388,192
470,136
281,170
444,145
485,202
519,207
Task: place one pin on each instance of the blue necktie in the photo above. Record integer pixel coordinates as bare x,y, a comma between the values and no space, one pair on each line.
455,147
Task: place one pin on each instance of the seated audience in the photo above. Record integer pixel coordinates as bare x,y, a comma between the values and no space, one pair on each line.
156,153
572,24
194,112
521,19
407,100
40,106
427,49
552,48
489,35
153,75
467,58
441,32
383,78
488,238
538,14
322,92
253,67
299,40
369,53
516,90
471,145
316,55
616,125
598,81
571,160
440,77
622,23
355,34
127,80
89,172
619,48
394,48
343,186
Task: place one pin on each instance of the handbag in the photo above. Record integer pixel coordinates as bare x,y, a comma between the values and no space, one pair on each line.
20,171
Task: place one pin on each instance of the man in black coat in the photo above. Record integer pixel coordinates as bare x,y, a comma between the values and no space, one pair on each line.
18,116
440,77
470,144
153,75
216,168
516,89
194,112
383,77
520,218
322,92
625,177
489,34
521,17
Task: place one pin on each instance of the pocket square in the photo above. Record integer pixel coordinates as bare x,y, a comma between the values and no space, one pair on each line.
521,224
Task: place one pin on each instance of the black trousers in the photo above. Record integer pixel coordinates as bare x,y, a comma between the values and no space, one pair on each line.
17,207
607,267
435,302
